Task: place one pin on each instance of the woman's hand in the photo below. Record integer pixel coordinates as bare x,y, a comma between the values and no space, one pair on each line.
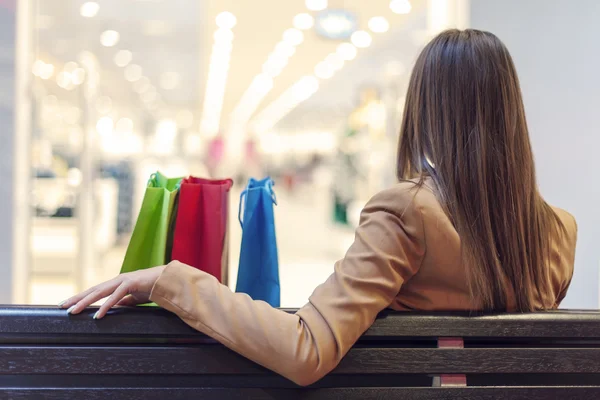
127,289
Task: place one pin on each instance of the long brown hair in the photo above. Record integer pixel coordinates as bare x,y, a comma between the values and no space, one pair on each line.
464,126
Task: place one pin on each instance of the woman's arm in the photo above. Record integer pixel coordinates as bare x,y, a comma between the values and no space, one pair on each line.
387,250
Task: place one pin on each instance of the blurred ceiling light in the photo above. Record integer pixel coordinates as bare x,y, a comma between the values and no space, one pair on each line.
226,20
89,9
218,70
184,119
123,58
400,6
133,72
324,70
47,71
274,65
109,38
361,39
379,24
287,101
169,80
335,60
63,79
70,67
336,24
293,36
316,5
78,76
306,87
105,126
43,70
303,21
347,51
124,125
223,35
37,67
103,104
285,49
141,85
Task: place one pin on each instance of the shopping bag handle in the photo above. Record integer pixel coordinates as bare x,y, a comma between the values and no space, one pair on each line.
268,187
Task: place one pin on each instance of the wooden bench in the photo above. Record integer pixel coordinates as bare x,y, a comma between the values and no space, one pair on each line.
147,354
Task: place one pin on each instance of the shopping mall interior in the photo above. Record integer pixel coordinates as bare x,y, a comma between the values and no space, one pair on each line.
95,96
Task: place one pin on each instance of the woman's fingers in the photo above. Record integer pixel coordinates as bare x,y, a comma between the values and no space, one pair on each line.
121,291
101,291
128,301
71,301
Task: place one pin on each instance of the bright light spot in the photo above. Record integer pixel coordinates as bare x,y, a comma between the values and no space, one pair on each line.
324,70
89,9
123,58
305,87
226,20
74,177
103,105
133,72
64,80
263,83
37,68
223,36
43,70
184,119
285,49
400,6
105,126
361,39
303,21
70,67
78,76
347,51
124,125
166,130
335,60
169,80
109,38
316,5
293,36
379,24
274,65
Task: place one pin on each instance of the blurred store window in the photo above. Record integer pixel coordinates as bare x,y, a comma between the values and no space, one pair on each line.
308,92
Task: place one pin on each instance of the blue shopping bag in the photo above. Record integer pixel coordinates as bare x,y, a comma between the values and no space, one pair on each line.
258,273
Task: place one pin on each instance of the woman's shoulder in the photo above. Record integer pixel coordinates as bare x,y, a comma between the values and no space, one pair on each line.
569,222
406,197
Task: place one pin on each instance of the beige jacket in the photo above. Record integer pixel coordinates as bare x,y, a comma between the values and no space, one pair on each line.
405,256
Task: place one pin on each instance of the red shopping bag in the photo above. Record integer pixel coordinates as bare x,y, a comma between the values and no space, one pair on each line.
200,233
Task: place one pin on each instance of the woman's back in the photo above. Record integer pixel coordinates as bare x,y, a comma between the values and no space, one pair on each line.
439,281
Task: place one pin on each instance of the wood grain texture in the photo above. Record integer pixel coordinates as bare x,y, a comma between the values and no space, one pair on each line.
471,393
215,359
144,324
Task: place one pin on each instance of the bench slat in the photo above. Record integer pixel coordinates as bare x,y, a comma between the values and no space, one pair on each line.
215,359
472,393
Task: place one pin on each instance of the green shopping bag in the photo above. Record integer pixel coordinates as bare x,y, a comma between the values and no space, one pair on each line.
148,245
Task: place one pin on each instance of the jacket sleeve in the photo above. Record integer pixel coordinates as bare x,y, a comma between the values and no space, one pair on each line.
388,249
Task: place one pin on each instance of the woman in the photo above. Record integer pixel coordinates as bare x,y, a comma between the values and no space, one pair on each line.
465,229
